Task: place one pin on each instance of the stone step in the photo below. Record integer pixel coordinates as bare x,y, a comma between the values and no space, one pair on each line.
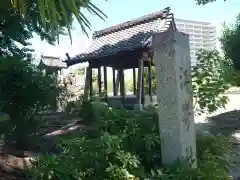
56,120
57,116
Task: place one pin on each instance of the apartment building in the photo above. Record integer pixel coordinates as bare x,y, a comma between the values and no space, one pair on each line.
202,35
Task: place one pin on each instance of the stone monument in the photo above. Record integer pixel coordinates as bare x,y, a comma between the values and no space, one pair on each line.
174,94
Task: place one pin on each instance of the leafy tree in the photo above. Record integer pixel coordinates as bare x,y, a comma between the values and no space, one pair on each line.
210,79
16,29
81,71
24,92
12,32
230,41
203,2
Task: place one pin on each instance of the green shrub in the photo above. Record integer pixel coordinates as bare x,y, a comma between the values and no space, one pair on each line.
52,167
127,146
74,107
88,108
24,92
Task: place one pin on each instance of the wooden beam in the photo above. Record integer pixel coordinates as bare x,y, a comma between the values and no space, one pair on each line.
68,57
114,82
99,80
139,81
105,79
150,80
134,81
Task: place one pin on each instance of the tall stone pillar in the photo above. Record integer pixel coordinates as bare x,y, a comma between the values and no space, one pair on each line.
174,94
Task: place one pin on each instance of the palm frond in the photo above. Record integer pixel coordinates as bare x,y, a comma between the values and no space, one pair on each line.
53,12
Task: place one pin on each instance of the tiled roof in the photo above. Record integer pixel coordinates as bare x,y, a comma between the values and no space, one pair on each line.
51,61
126,36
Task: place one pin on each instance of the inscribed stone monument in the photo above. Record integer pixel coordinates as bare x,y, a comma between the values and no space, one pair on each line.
174,94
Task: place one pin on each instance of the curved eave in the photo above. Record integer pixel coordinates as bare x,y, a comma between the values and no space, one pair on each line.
78,60
45,65
74,61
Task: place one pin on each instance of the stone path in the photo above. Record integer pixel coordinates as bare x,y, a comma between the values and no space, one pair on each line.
57,120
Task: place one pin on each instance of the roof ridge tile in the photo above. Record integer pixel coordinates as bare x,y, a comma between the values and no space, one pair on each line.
141,20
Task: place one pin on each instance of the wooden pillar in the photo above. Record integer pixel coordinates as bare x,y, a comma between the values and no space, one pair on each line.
58,103
143,88
118,80
99,80
134,82
114,82
150,80
90,81
122,85
139,81
105,79
87,84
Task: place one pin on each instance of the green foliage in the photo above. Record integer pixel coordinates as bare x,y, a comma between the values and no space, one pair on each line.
52,167
203,2
210,79
230,41
4,124
12,30
53,14
24,92
212,151
126,145
16,30
4,117
81,108
235,81
86,108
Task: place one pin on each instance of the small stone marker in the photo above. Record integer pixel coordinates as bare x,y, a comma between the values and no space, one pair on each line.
174,94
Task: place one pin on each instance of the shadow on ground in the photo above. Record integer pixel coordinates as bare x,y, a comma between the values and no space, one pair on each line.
228,124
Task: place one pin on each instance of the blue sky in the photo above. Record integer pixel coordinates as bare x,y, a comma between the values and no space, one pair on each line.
124,10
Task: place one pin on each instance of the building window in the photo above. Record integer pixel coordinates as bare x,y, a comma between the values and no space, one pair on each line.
197,27
189,26
197,31
197,35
